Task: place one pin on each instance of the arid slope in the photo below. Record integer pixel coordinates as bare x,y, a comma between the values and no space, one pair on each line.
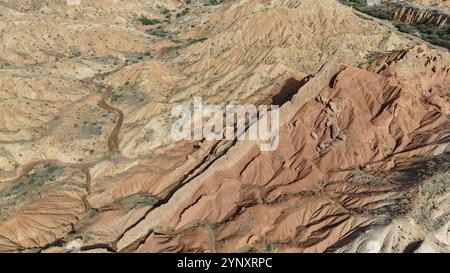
86,155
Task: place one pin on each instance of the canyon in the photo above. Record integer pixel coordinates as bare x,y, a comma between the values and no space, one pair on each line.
87,157
426,22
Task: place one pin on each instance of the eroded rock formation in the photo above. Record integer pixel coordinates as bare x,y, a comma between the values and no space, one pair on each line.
420,15
86,156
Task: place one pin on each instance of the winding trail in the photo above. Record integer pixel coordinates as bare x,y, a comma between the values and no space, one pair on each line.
113,140
87,206
113,148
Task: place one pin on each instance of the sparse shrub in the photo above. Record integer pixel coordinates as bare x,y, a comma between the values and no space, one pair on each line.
76,53
430,33
144,201
434,34
115,97
91,129
406,28
164,10
146,21
158,32
183,13
138,201
32,181
212,2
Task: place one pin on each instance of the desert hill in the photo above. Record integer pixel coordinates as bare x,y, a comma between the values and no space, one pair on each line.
86,93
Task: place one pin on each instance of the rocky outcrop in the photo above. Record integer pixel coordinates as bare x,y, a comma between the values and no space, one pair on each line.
419,15
332,181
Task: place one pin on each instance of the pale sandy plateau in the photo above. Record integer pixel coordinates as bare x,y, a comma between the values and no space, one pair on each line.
87,158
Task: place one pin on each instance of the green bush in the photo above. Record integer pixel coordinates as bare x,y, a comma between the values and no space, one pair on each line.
183,13
116,97
32,181
157,32
146,22
428,32
164,10
439,36
406,28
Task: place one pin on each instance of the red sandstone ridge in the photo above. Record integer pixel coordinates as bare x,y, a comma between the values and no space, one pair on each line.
316,192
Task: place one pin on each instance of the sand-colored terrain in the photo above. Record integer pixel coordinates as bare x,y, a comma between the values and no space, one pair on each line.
86,154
